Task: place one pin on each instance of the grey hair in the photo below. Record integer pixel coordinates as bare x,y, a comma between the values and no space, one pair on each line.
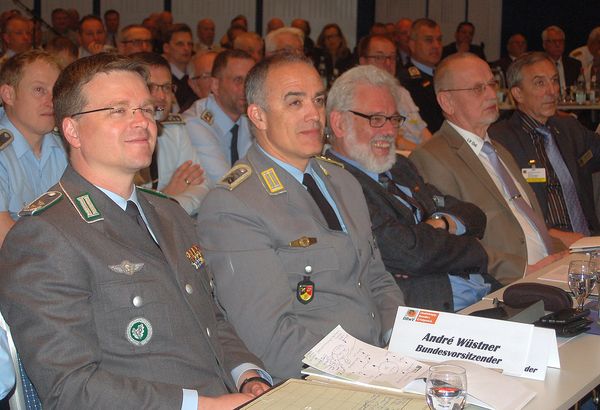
341,95
551,28
271,38
515,70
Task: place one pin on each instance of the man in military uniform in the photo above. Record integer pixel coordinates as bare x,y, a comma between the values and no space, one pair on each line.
175,169
32,158
110,304
16,36
217,125
426,51
288,236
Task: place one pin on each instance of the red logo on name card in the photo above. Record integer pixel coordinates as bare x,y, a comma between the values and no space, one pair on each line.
427,317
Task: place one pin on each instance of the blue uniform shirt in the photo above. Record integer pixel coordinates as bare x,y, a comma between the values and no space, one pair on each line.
23,176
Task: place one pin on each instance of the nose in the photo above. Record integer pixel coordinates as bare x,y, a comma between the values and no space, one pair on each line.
314,112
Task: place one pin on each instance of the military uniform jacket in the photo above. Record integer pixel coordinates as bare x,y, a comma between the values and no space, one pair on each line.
419,250
420,86
70,291
579,148
251,238
447,161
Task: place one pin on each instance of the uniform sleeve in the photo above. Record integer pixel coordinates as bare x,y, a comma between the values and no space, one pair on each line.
207,146
45,296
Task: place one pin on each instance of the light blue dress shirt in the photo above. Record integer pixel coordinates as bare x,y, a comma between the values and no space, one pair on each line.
425,68
190,397
23,176
213,141
7,371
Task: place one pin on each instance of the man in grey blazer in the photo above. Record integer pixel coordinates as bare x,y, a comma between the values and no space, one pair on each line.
462,159
104,285
292,262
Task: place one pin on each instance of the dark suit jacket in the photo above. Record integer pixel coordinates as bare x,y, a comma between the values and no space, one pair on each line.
503,63
70,306
572,68
451,49
420,86
574,141
447,161
420,251
184,94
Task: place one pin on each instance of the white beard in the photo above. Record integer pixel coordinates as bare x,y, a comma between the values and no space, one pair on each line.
362,153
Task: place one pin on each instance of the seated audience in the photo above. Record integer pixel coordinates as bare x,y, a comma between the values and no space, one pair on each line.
464,41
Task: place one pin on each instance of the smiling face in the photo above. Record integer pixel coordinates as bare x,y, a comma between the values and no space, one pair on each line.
537,93
108,147
29,104
290,127
91,32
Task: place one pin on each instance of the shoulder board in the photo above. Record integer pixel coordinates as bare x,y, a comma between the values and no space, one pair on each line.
236,175
6,138
41,203
576,53
173,119
414,72
152,192
331,161
207,117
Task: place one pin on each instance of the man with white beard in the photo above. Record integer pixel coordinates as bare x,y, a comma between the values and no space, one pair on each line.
428,241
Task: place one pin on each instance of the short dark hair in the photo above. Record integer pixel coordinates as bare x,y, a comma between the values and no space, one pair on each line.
422,22
257,77
58,10
67,94
177,28
111,11
89,17
465,23
223,59
365,43
151,59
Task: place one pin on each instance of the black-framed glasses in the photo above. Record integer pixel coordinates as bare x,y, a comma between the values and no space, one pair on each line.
378,120
478,89
121,112
166,88
137,42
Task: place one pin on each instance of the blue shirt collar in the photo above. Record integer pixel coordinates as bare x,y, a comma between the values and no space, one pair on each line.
293,171
220,118
425,68
119,200
21,145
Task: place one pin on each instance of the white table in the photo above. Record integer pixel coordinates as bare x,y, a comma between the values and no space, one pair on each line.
579,358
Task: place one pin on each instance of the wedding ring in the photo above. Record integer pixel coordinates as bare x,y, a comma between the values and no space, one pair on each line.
187,181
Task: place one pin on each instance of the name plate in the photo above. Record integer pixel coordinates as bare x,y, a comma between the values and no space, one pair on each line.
516,348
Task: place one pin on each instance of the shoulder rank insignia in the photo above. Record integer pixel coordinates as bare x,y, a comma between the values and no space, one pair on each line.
153,192
207,117
173,119
236,175
576,53
41,203
414,72
271,181
5,138
331,161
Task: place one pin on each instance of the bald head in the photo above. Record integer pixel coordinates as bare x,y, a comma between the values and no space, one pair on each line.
200,73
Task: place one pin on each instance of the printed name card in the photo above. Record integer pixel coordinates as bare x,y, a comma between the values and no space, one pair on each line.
516,348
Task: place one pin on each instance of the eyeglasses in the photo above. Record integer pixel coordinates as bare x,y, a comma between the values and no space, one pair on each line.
478,89
378,120
166,88
380,58
137,42
203,76
121,112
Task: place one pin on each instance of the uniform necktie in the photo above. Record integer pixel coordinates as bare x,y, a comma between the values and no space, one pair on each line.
326,209
393,189
510,188
133,212
234,142
578,221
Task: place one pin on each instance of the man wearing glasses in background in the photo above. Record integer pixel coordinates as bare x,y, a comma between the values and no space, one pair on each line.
134,39
428,241
461,158
110,303
200,69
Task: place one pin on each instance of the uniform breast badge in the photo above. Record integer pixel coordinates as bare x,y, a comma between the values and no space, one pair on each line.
305,290
41,203
194,254
271,181
414,72
139,331
126,267
303,242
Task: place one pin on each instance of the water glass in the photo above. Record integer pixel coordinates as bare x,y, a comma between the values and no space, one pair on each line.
446,387
582,279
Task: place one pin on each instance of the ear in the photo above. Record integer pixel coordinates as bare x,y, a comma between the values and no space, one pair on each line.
214,85
70,130
446,102
411,45
257,116
338,124
517,94
7,94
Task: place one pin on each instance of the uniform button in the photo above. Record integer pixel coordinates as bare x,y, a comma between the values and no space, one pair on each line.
137,301
189,289
208,332
372,315
308,269
212,284
359,284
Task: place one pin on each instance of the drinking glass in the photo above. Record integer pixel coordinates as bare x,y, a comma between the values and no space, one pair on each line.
582,279
446,387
